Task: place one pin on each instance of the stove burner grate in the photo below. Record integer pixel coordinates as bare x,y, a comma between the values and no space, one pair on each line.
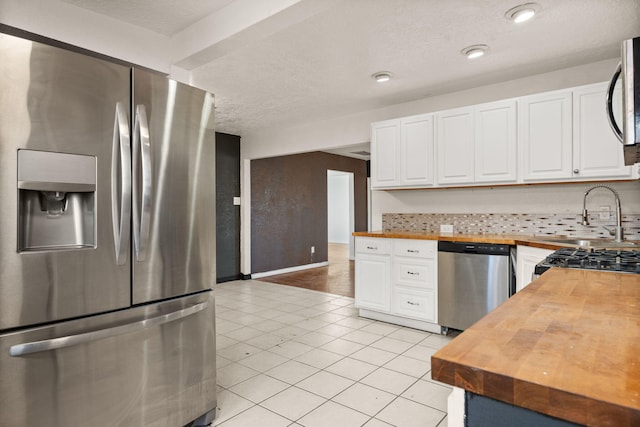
605,260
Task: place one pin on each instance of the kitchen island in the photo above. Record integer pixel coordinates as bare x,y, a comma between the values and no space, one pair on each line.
566,346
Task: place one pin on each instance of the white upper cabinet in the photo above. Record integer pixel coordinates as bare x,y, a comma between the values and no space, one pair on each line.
597,153
402,152
477,144
455,146
545,133
496,142
385,152
559,136
416,151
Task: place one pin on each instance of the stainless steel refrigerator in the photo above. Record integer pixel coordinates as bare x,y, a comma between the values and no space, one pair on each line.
107,243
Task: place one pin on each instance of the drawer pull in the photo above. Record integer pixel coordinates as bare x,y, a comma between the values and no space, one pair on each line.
413,251
413,303
411,273
372,248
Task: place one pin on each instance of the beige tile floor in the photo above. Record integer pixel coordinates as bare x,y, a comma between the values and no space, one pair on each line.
289,356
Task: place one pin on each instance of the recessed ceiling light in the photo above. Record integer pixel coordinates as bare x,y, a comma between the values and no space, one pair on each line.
522,13
475,51
381,76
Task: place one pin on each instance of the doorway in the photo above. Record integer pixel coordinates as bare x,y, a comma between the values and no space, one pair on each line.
340,215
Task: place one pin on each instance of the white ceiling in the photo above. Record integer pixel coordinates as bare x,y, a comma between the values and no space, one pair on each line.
287,69
165,17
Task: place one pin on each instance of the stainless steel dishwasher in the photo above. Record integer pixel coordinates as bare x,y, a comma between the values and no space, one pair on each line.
473,279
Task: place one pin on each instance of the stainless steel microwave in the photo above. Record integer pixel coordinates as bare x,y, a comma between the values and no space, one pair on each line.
628,73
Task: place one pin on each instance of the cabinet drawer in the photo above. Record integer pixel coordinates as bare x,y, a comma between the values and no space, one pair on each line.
368,245
416,304
415,248
408,272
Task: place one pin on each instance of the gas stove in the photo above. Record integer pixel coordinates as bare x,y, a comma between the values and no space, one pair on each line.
604,260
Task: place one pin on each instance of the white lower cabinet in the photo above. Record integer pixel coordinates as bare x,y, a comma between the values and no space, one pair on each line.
527,258
417,304
372,281
373,273
414,274
398,286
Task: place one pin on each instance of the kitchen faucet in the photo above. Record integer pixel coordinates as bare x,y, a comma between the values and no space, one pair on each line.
618,232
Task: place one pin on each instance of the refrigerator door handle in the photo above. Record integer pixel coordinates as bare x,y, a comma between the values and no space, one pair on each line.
72,340
121,184
141,202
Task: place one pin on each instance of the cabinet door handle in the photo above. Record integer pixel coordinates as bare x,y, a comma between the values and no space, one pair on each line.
372,248
413,251
576,171
413,303
411,273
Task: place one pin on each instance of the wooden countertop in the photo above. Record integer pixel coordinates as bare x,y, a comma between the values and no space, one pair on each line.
543,242
567,345
506,239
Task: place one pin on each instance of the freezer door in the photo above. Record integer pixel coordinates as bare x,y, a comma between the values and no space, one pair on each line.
173,188
146,366
60,140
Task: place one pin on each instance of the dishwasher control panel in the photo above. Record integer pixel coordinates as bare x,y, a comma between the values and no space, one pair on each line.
473,248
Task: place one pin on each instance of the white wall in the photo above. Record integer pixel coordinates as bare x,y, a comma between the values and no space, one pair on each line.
338,211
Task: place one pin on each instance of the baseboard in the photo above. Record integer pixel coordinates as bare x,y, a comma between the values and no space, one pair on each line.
289,270
229,278
402,321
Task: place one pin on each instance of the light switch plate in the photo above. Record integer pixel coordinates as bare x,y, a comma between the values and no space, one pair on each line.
446,228
605,212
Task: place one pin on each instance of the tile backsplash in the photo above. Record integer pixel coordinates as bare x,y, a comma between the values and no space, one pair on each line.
530,224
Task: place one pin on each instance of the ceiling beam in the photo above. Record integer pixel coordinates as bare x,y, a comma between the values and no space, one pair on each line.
71,24
236,25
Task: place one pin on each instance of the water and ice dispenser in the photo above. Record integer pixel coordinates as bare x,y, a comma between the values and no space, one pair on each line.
56,201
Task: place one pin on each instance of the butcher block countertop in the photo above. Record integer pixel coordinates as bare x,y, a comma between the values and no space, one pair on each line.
543,242
505,239
567,345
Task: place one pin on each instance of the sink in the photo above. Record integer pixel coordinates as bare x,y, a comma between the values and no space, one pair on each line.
592,243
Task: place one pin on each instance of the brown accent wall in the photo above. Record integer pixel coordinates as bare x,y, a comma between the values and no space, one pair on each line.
227,214
289,207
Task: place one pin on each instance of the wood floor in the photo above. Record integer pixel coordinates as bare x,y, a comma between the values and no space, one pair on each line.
337,278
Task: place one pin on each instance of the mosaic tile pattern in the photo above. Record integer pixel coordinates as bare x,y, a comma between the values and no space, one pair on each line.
530,224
